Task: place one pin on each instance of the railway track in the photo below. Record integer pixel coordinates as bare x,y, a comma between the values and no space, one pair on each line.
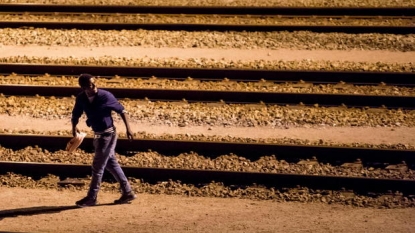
251,151
318,77
315,77
330,100
205,27
198,176
247,16
329,11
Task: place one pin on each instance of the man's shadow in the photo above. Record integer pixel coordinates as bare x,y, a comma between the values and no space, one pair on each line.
40,210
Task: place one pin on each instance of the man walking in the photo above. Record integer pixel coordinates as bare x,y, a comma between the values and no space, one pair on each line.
98,105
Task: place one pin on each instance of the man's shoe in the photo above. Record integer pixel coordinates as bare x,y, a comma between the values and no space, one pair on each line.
86,201
126,198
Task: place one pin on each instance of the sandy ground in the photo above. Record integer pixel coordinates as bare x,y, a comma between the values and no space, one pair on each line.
31,210
370,135
53,211
227,54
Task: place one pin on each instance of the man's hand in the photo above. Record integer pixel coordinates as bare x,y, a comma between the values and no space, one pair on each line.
75,130
130,135
127,125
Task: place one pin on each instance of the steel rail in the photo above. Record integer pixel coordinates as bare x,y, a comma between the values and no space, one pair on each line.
252,151
199,177
212,27
350,11
280,98
394,11
85,15
390,78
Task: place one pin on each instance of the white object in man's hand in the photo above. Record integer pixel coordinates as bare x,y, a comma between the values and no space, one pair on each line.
75,142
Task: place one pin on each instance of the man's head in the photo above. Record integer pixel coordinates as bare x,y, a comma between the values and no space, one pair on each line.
87,83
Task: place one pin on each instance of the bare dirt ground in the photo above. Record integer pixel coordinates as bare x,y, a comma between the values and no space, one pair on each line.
53,211
370,135
227,54
30,210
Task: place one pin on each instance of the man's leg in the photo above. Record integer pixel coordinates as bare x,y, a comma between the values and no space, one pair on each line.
102,145
115,169
99,163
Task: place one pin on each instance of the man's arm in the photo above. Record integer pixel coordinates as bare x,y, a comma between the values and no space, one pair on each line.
76,114
113,104
127,125
75,129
